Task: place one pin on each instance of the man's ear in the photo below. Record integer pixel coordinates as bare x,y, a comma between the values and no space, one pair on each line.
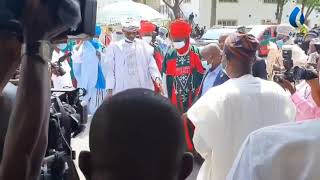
85,163
186,166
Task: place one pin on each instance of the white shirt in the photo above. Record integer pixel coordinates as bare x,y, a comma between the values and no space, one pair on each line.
284,152
210,79
226,114
130,65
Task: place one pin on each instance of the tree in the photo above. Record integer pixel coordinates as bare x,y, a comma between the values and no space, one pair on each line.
310,5
279,12
213,12
175,7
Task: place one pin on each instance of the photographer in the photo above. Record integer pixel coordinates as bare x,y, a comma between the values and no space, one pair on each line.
61,76
26,137
303,97
314,52
275,57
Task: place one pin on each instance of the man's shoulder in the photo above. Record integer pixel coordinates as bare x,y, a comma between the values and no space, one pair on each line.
171,54
116,45
269,148
289,132
223,90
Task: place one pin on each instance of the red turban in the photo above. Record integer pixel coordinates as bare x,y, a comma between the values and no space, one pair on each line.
180,29
147,27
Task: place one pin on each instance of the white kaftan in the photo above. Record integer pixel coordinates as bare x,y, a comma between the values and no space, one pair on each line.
282,152
85,64
226,114
130,65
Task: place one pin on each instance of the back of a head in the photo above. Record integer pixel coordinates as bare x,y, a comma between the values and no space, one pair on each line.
211,48
239,54
222,39
137,135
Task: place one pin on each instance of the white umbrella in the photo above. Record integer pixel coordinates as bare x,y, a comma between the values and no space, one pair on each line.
124,11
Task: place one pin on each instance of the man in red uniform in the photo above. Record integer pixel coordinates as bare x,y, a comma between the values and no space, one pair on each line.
183,72
146,32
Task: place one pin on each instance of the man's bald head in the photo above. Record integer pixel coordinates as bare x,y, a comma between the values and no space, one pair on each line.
136,135
222,40
212,53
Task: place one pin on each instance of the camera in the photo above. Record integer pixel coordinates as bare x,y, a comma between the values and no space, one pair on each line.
291,73
11,13
56,67
296,74
287,56
287,75
68,117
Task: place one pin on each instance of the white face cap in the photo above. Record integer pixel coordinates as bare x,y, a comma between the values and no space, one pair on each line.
132,26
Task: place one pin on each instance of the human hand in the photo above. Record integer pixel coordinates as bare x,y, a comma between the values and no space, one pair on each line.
158,84
286,85
40,16
98,55
109,94
184,116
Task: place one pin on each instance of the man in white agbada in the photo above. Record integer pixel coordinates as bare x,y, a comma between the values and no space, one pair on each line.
87,63
282,152
61,81
129,63
226,114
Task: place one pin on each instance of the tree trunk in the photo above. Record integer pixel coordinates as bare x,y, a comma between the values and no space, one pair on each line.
308,13
280,13
277,11
176,12
213,13
303,6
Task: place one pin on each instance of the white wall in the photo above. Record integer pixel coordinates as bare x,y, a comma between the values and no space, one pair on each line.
240,11
205,12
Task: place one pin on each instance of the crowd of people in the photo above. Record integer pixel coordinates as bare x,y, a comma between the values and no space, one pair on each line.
154,104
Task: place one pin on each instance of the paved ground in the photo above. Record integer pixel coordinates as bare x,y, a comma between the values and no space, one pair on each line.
82,143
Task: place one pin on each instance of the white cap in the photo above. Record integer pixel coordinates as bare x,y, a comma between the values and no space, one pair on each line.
131,26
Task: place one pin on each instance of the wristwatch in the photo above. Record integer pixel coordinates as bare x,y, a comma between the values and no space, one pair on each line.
39,48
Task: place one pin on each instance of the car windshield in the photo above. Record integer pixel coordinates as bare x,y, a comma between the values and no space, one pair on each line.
214,34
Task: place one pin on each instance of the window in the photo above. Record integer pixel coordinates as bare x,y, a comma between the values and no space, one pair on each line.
233,1
266,21
227,22
270,1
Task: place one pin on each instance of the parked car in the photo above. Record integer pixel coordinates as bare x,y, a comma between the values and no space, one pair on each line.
212,35
265,34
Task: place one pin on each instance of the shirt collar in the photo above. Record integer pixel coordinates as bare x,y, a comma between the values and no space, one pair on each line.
216,70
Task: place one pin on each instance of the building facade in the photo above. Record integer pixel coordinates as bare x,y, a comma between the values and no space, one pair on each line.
247,12
231,12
